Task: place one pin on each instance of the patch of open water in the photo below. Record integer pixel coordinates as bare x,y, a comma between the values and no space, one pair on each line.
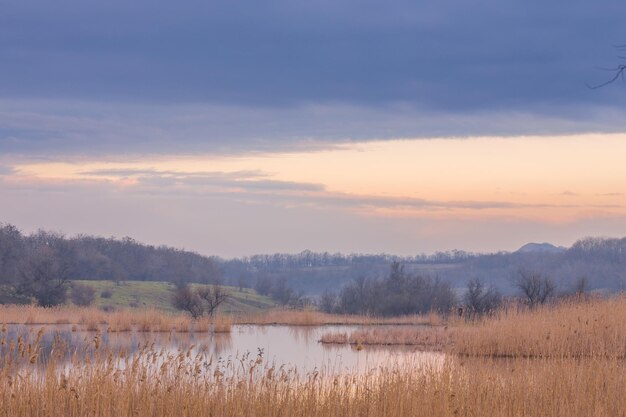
296,346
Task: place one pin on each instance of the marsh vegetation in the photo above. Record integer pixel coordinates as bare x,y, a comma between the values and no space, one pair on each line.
563,359
399,342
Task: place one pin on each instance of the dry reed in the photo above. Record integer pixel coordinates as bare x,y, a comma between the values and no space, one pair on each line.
93,319
430,338
222,324
570,329
154,382
149,318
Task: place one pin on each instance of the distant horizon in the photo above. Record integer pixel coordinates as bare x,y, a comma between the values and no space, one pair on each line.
345,253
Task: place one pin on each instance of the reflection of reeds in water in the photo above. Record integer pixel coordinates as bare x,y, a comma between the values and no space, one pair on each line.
222,342
216,324
189,382
318,318
73,343
302,333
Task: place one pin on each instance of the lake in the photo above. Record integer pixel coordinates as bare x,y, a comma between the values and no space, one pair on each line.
295,346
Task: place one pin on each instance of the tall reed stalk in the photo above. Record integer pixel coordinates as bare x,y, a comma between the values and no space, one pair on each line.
153,382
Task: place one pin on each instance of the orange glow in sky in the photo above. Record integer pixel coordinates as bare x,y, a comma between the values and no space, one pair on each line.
552,179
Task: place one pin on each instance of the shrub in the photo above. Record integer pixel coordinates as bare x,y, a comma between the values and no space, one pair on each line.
82,295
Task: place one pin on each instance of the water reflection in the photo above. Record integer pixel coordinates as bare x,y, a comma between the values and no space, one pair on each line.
295,346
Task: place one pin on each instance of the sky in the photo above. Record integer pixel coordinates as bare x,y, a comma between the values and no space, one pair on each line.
239,127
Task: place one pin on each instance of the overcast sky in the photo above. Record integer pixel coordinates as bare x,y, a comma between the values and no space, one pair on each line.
239,127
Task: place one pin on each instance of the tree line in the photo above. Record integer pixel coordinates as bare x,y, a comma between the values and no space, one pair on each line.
41,265
399,293
600,261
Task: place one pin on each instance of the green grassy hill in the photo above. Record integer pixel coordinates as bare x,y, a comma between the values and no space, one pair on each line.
143,294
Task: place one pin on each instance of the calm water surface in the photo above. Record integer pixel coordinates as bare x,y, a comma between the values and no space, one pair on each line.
296,346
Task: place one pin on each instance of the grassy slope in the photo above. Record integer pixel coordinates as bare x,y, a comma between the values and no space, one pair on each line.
144,294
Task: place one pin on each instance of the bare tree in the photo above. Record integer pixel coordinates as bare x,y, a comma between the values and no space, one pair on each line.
200,301
11,250
580,289
581,286
618,71
44,277
481,300
212,296
328,301
242,282
45,273
186,299
264,285
535,287
281,292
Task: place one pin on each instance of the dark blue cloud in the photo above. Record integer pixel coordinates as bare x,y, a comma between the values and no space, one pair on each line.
52,128
443,55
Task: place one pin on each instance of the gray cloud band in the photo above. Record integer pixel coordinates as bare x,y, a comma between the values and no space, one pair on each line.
119,77
56,128
442,55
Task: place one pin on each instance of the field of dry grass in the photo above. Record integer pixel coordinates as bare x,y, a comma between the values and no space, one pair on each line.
153,382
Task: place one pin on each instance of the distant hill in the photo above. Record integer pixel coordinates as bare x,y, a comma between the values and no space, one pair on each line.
541,247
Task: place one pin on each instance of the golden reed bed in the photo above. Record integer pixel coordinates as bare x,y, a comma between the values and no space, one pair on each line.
427,338
563,360
569,329
153,382
142,320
